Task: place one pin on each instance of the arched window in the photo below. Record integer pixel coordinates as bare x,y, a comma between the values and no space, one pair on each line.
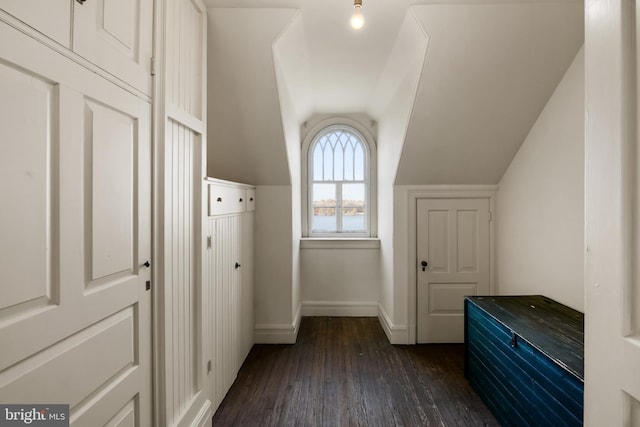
339,183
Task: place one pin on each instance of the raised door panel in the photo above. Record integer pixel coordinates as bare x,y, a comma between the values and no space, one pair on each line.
186,59
467,250
438,241
76,326
28,117
116,35
50,17
112,206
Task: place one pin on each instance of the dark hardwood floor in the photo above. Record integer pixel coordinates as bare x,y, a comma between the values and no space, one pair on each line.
344,372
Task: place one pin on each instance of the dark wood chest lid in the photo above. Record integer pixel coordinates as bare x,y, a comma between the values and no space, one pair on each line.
552,328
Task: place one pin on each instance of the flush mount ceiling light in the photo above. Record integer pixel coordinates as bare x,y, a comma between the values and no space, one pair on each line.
357,20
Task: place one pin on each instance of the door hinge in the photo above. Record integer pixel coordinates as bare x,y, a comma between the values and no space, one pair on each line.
208,242
153,66
490,216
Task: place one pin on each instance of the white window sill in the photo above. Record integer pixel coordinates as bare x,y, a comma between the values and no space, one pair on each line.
339,243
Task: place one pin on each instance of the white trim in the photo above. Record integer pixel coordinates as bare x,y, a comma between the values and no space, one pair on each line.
204,417
233,184
415,192
278,333
184,118
371,178
158,126
67,52
195,416
337,243
275,334
297,318
340,308
451,191
397,334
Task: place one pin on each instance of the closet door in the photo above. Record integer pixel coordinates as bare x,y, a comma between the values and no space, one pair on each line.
228,276
116,35
75,319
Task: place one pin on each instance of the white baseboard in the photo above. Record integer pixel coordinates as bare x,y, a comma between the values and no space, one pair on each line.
204,417
339,308
278,333
198,414
397,334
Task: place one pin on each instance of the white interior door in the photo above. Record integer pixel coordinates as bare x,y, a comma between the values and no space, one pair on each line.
75,321
453,261
612,209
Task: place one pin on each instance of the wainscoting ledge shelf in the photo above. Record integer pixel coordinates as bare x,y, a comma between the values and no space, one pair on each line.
339,243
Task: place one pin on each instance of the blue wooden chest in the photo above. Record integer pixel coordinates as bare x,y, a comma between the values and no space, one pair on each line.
524,356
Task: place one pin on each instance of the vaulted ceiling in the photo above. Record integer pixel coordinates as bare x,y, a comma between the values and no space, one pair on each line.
485,70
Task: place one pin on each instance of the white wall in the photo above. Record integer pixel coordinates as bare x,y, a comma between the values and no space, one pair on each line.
287,55
339,282
273,266
541,201
392,128
246,141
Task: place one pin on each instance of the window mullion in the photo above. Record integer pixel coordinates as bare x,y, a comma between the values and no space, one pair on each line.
344,156
324,147
339,207
333,162
353,161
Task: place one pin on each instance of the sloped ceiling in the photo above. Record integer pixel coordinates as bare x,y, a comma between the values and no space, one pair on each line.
244,126
490,67
489,71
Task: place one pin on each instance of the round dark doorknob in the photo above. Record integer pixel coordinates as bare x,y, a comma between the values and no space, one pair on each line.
147,264
424,263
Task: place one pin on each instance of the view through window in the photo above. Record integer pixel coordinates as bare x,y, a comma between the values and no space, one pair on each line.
338,162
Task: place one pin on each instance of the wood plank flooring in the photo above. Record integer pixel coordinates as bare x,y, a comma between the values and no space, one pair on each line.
344,372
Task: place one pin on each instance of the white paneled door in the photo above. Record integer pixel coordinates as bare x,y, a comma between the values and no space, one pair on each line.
453,261
75,320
